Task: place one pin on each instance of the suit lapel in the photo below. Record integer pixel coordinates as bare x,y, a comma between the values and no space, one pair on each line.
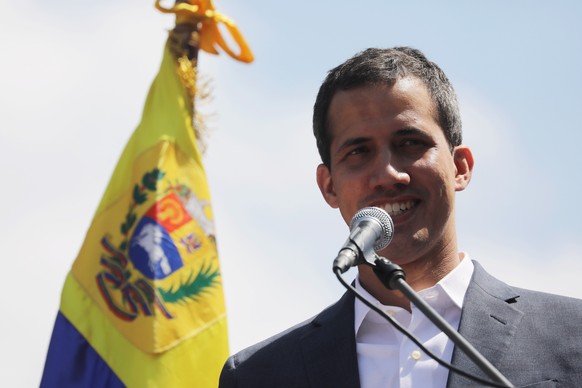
489,321
329,349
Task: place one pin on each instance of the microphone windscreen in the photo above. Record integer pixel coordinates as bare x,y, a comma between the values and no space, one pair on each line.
382,218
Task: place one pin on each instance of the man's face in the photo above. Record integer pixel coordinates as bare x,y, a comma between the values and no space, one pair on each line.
388,150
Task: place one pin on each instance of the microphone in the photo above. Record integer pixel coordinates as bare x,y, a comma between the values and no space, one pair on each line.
371,229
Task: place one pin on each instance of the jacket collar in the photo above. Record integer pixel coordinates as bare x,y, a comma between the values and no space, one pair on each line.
489,322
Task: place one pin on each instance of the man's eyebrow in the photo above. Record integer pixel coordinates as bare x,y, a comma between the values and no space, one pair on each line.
352,142
411,131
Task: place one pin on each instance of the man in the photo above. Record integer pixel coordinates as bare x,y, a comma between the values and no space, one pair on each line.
388,131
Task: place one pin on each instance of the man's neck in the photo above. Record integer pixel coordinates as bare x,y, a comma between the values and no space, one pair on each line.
420,274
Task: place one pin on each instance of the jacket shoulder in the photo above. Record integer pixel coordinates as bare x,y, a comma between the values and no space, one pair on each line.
285,359
530,336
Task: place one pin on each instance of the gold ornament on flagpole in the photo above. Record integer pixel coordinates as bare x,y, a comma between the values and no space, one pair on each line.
197,28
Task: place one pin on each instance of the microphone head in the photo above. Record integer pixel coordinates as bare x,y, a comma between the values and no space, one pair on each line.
382,219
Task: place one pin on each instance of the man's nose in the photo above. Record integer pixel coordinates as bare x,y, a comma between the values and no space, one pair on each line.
387,173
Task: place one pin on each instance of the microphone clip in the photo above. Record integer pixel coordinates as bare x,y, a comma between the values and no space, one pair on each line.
389,273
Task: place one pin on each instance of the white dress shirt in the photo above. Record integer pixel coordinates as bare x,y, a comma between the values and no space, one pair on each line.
387,358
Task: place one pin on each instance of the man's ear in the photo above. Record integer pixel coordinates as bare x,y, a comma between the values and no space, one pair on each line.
325,184
463,159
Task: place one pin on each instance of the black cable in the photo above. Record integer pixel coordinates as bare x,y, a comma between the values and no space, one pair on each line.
401,329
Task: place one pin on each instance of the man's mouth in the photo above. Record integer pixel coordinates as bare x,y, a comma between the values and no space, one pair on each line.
397,208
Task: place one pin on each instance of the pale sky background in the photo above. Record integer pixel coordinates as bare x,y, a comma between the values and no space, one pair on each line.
74,77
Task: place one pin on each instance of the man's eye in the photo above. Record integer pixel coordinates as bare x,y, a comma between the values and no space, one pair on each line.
411,142
356,154
357,151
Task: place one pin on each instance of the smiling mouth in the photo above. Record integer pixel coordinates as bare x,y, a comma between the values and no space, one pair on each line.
398,208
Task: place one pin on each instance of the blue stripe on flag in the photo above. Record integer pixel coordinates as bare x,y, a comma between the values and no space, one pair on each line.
72,362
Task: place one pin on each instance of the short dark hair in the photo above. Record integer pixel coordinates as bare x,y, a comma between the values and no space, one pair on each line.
376,66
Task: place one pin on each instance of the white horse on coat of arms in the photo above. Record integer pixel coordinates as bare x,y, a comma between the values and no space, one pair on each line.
150,239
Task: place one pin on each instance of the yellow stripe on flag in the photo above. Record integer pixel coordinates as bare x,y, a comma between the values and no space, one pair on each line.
195,363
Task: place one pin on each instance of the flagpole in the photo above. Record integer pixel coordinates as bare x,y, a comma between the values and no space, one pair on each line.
185,36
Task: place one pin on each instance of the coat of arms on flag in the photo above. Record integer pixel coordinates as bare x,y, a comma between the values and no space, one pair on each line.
158,259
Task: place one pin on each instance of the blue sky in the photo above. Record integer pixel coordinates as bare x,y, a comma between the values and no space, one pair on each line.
75,75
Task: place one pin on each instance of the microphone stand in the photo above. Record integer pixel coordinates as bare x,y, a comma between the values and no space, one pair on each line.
393,278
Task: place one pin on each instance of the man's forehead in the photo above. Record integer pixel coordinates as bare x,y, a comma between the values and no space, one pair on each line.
409,88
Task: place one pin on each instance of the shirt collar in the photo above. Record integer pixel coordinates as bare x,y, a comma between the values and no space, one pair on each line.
454,285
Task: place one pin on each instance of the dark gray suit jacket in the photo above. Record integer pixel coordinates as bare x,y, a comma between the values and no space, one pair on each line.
533,338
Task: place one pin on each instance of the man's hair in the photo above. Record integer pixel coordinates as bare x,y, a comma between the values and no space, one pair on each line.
376,66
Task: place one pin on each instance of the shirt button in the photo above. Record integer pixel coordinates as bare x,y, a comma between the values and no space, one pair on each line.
415,355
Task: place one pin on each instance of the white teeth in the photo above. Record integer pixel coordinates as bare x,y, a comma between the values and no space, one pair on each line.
397,208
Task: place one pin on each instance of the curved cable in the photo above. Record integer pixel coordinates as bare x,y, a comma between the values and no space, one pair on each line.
401,329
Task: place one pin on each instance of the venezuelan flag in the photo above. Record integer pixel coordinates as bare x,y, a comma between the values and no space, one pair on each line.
143,303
